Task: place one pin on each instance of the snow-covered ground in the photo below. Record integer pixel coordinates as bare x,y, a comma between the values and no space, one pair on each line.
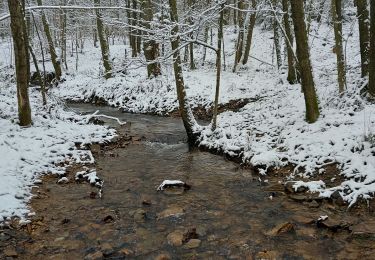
270,132
49,146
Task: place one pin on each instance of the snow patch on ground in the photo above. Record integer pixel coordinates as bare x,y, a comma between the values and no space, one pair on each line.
49,146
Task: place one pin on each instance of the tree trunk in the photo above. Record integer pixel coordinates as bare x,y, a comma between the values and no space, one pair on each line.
150,46
55,62
337,24
103,42
364,37
20,39
185,109
250,30
307,80
292,73
371,87
239,45
42,82
63,36
134,31
205,48
276,36
218,65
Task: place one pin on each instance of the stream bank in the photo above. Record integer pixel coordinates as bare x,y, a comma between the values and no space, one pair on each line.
227,214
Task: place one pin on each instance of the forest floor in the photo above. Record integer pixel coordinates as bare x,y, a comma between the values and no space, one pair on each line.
268,132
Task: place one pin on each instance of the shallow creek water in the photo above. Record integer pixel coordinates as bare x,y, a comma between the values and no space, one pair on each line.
227,208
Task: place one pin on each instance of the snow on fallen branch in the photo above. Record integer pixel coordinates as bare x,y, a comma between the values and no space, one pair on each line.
172,183
88,117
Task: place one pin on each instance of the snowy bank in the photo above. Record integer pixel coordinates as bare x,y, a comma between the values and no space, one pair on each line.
270,132
48,146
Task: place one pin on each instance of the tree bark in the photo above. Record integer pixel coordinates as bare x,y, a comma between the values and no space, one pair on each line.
150,46
303,55
250,30
364,34
103,42
42,82
371,87
239,45
134,37
191,45
218,66
337,24
63,36
55,62
276,36
292,73
20,39
185,109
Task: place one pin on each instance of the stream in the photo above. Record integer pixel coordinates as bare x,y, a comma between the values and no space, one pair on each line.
226,214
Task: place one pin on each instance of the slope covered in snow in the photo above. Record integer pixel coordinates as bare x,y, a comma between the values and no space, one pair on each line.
270,132
48,146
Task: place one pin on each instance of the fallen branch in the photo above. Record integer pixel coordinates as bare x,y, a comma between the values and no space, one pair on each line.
105,116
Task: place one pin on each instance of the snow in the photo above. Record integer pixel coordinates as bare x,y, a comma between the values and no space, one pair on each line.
270,132
169,182
47,147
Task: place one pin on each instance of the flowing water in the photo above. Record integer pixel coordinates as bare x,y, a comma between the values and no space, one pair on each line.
228,212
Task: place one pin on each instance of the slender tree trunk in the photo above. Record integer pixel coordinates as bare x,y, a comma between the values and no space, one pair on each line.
95,37
364,34
250,30
218,66
276,37
150,46
130,22
205,48
235,20
185,109
103,42
371,87
21,54
55,62
337,24
42,82
63,36
239,45
191,45
292,73
133,30
307,80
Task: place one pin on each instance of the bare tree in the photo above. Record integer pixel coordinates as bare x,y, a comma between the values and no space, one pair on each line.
185,109
337,24
218,65
276,36
54,59
19,33
239,45
303,55
150,46
364,33
292,72
103,42
250,29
